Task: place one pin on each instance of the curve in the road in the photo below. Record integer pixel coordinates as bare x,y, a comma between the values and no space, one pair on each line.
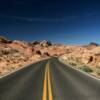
49,80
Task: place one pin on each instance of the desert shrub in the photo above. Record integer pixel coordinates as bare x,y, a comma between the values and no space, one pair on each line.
98,67
97,70
86,69
73,64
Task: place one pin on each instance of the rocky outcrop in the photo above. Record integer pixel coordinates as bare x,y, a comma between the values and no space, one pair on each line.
91,45
55,50
43,43
78,54
22,46
4,40
14,54
83,58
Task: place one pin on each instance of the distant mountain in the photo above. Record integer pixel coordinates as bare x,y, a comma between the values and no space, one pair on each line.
93,44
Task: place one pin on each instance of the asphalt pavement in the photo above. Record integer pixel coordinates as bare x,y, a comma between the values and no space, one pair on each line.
49,80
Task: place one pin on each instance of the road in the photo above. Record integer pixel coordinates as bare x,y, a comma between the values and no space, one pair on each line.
49,80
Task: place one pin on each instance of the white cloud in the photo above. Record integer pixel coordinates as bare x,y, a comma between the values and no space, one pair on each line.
39,19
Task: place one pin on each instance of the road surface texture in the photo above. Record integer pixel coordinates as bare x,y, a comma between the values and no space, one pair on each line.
49,80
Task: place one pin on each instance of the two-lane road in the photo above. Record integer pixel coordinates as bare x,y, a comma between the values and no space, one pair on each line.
49,80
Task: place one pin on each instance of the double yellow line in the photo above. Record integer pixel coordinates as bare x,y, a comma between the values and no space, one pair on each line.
47,84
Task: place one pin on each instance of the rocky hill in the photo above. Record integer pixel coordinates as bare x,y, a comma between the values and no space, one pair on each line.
15,54
83,57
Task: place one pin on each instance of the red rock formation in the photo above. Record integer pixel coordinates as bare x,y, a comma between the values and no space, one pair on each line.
15,54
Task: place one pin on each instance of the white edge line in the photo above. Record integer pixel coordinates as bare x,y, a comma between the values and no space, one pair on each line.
85,73
24,66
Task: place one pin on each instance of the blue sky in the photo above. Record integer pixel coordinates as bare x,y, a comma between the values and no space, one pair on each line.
60,21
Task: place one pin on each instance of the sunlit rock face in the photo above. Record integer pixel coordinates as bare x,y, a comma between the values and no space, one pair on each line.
15,54
81,54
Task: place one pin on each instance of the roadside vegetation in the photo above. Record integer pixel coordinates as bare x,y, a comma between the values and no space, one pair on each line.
95,71
86,69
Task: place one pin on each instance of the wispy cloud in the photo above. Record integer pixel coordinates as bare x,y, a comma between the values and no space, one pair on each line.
68,18
38,19
15,17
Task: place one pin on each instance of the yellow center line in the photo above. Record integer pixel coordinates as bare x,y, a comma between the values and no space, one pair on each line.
47,84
